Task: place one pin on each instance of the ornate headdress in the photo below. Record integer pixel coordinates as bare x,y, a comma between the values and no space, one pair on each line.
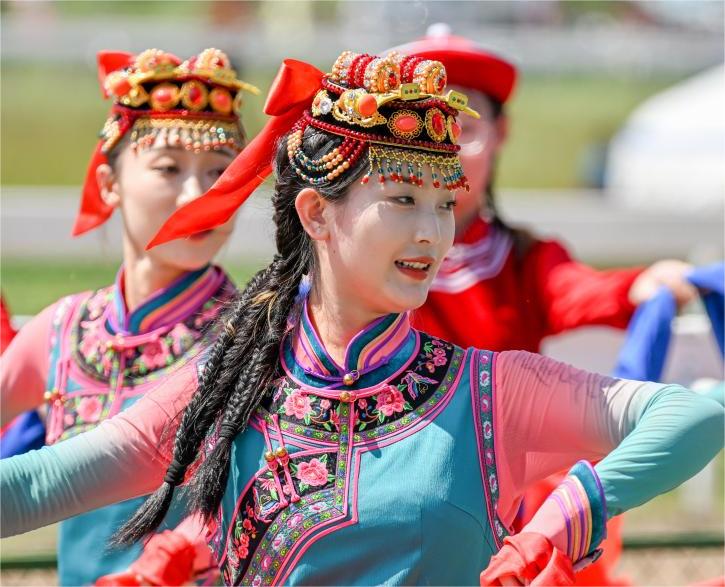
394,108
192,104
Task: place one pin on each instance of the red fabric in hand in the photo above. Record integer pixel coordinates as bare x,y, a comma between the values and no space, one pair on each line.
529,557
167,559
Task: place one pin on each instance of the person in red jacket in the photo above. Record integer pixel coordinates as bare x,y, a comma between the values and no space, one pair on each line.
6,328
502,287
516,288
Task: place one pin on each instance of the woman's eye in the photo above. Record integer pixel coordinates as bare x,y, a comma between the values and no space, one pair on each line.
404,200
166,169
449,205
215,173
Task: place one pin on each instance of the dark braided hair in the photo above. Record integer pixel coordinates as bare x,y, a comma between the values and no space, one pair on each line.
244,361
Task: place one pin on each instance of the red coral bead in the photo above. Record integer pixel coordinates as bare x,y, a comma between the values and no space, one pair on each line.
367,106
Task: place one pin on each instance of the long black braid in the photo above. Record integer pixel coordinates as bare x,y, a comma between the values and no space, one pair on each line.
244,361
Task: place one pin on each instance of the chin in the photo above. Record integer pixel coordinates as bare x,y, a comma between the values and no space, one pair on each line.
400,302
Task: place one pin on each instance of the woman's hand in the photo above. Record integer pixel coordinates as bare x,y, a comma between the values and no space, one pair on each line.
528,558
669,273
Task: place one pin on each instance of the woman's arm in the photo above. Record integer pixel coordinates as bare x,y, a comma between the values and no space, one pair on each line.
124,457
650,437
24,367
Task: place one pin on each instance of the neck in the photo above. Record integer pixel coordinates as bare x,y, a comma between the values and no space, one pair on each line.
336,320
142,277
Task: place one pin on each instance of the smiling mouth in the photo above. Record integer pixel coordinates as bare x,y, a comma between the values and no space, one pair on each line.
413,265
416,268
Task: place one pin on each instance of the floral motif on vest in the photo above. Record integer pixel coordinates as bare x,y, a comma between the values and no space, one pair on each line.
268,530
114,370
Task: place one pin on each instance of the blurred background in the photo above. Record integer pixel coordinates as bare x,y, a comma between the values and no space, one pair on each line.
617,145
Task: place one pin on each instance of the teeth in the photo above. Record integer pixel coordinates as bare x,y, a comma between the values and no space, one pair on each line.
414,265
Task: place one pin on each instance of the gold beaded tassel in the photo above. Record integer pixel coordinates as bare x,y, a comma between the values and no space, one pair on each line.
389,162
192,135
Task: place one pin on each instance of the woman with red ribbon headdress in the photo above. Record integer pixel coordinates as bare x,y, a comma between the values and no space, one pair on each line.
502,287
173,129
322,437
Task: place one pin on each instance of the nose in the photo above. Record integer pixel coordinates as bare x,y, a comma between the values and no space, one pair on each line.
190,190
429,228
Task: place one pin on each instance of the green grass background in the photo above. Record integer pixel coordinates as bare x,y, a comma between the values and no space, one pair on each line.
51,116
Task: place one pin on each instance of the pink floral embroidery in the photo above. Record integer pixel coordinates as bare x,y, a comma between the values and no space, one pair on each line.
96,304
247,525
294,520
313,473
90,344
243,546
278,541
325,404
69,420
89,409
268,484
257,581
485,404
390,401
487,430
439,357
266,563
488,453
484,378
297,405
155,354
181,338
493,482
362,404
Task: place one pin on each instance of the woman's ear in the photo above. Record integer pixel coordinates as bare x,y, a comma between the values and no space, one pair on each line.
310,206
107,185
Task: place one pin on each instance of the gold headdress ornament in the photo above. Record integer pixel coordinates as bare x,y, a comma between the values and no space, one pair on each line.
192,103
397,108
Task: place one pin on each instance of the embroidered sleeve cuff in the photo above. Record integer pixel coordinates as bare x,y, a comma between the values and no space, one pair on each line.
574,516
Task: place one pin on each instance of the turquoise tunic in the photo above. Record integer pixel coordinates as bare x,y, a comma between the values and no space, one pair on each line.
391,455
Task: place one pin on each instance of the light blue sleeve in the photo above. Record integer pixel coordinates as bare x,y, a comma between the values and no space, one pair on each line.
122,458
668,434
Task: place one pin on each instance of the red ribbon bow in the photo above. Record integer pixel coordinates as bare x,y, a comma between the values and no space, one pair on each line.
93,210
291,93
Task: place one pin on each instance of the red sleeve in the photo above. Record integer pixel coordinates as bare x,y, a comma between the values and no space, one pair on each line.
7,332
573,294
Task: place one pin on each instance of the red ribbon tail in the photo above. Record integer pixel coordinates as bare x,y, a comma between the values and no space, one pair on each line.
93,210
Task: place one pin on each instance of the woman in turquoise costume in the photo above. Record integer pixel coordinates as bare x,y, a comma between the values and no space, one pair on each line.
173,129
322,438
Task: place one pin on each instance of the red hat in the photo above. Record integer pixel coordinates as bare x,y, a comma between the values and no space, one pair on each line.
192,104
467,63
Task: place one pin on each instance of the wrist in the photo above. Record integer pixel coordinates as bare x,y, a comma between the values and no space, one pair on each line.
574,516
